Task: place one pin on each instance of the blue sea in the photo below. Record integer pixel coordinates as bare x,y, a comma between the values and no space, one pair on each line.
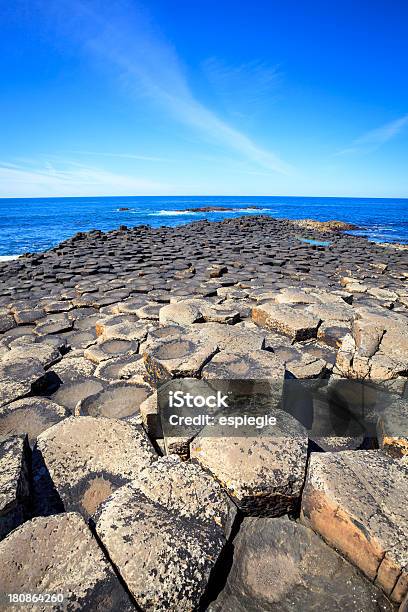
38,224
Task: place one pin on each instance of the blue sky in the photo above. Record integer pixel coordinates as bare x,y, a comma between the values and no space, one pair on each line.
115,97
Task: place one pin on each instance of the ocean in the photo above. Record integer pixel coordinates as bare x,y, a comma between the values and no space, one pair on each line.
38,224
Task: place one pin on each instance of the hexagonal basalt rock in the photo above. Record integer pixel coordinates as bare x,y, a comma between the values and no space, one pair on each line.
281,565
356,500
88,458
73,368
232,338
182,356
53,326
44,353
263,474
31,415
119,400
149,311
14,483
298,324
185,312
176,517
255,365
121,368
17,376
307,366
71,393
106,349
58,555
122,327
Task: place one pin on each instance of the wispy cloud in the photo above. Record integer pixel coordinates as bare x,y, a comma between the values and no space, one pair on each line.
374,139
70,179
125,42
131,156
244,87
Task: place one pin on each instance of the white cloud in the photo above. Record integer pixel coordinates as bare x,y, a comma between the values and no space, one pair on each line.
149,158
244,87
122,38
71,179
374,139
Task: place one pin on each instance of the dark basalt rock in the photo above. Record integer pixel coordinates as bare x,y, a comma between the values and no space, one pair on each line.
279,565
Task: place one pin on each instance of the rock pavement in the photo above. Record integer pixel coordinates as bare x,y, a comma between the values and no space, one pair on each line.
89,333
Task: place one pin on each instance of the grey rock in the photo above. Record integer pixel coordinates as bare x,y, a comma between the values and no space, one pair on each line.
31,416
58,554
280,566
14,483
176,517
88,458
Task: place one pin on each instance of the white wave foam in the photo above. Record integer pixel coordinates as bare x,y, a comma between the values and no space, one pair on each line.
8,257
170,213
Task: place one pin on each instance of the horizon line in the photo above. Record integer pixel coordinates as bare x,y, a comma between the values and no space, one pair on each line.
187,195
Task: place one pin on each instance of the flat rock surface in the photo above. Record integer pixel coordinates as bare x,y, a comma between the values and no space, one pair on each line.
280,565
17,375
357,502
119,400
263,474
176,517
88,458
297,324
58,555
30,416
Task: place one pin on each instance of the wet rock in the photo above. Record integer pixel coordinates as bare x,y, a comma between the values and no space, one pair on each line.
17,377
58,554
30,416
177,518
297,324
263,474
356,501
88,458
281,565
14,483
118,401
